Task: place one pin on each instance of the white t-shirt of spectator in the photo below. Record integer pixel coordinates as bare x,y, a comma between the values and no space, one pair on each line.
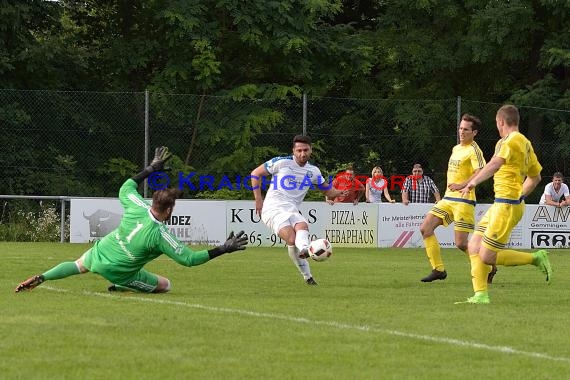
556,195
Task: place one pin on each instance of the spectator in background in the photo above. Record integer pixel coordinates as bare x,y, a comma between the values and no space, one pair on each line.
345,181
376,186
418,187
554,191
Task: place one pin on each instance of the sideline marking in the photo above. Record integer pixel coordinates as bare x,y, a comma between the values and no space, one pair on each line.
337,325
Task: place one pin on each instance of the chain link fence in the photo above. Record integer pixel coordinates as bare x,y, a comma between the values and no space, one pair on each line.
69,143
86,143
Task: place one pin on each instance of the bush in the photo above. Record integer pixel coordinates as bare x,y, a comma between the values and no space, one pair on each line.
35,224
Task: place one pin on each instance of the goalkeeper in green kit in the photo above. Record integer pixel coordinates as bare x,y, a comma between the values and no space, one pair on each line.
140,238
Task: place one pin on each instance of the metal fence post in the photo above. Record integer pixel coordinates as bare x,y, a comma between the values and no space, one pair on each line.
146,138
62,225
304,113
458,116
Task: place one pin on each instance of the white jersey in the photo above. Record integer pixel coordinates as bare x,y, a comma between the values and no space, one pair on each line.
290,182
556,195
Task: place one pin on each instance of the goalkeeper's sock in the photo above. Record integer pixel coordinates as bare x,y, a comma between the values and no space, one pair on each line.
62,270
433,251
509,258
302,239
302,264
479,273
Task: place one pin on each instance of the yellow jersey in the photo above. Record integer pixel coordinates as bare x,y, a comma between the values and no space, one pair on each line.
464,160
520,162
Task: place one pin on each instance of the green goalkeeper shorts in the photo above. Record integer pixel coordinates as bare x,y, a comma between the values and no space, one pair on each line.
139,280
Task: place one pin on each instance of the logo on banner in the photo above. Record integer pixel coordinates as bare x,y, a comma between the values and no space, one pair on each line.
101,222
403,239
549,239
551,214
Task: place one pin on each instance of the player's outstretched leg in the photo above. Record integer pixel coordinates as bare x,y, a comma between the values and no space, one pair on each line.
433,252
479,275
541,260
30,283
301,264
302,243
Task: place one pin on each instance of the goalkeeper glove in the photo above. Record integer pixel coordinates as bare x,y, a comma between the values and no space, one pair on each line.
233,243
161,155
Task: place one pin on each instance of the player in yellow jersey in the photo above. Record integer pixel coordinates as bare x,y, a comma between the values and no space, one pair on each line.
465,162
516,172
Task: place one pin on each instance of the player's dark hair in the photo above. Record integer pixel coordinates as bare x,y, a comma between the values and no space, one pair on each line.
510,114
474,120
301,139
164,199
558,175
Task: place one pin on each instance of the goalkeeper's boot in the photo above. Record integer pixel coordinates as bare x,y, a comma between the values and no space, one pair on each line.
304,253
435,275
480,298
491,274
540,259
118,288
310,281
30,283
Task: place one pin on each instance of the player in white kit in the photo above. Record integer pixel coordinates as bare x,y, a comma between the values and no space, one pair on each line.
292,177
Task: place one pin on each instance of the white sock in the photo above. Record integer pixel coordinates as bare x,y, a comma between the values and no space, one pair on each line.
302,264
302,239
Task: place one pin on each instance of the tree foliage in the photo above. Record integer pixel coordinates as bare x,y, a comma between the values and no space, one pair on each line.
247,64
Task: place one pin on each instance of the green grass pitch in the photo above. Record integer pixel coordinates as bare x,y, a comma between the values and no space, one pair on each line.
248,315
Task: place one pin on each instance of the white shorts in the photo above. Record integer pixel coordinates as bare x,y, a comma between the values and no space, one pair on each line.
278,218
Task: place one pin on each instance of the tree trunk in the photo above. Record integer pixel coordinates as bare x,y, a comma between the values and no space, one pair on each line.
195,131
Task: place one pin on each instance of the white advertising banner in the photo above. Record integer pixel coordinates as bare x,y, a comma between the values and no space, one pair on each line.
547,227
199,222
344,225
92,218
399,226
347,225
193,222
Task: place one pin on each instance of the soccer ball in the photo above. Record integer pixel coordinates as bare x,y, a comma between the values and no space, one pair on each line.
320,249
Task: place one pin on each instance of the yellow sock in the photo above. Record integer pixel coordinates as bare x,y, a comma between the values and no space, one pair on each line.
479,273
433,251
509,257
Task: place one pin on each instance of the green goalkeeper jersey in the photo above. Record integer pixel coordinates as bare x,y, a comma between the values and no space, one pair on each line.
140,238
